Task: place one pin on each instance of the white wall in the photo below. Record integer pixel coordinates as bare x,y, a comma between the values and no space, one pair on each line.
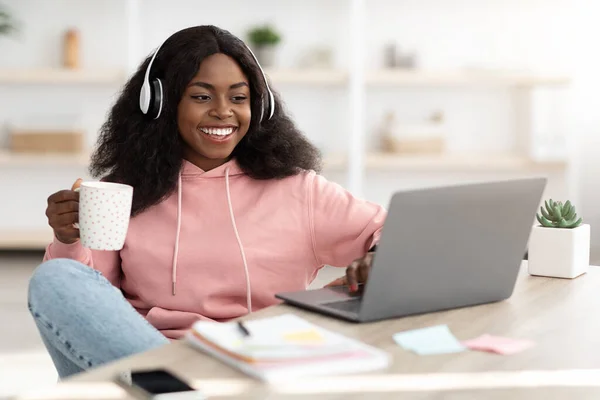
540,35
585,119
521,35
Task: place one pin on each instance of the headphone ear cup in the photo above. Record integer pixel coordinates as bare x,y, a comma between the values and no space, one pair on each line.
156,102
145,97
157,98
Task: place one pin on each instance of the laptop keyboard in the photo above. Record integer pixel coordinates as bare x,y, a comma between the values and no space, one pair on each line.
346,290
352,305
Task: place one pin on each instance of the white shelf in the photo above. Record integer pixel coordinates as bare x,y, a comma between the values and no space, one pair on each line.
29,159
66,76
325,77
407,77
25,239
307,76
381,161
446,163
59,76
350,78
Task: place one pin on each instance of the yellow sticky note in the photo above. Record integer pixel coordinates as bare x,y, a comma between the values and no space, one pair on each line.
303,336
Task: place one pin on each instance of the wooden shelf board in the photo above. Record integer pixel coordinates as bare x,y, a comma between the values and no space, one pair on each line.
378,161
307,76
25,239
385,161
394,77
446,163
61,76
8,158
407,77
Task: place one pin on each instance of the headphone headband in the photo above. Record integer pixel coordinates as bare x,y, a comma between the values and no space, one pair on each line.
271,98
146,90
151,92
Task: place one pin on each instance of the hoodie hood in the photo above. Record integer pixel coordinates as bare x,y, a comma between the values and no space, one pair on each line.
190,171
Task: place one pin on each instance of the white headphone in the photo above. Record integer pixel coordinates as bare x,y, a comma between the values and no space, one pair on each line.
151,93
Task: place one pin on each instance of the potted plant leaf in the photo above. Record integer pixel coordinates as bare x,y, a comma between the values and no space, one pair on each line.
560,246
264,40
7,24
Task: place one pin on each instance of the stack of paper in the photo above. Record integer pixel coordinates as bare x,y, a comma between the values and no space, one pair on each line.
285,347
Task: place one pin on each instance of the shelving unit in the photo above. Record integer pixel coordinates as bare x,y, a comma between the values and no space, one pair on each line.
299,76
354,78
36,239
464,77
21,159
447,163
338,162
61,76
321,77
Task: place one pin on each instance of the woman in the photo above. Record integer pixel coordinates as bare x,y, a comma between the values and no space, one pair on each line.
227,210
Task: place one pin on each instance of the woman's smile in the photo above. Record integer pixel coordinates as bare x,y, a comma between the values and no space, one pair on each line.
218,134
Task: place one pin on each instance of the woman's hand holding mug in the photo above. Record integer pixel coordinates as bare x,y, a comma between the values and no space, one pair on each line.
63,213
97,213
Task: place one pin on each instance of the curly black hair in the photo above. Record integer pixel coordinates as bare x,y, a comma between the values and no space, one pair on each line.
147,153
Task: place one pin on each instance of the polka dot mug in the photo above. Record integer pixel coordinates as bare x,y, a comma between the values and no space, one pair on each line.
104,211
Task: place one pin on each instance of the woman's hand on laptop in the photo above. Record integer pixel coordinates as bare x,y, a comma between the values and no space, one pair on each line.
357,272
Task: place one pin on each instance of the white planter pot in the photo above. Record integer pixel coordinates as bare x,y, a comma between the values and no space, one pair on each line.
559,253
266,55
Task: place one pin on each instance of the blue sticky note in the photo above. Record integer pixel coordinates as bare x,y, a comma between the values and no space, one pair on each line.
433,340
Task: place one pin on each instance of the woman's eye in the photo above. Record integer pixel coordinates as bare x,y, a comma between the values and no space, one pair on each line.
239,99
202,97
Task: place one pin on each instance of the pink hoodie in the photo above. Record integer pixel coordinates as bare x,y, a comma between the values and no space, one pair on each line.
240,241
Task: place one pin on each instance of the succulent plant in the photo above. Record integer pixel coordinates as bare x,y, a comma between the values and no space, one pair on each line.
264,35
559,215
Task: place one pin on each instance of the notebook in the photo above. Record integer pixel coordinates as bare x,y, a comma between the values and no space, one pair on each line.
285,347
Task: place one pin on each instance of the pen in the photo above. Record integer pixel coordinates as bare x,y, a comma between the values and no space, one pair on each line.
243,328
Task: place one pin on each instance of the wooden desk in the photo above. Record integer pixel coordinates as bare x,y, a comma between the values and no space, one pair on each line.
560,315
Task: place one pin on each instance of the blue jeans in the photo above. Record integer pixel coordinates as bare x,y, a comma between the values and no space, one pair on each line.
83,319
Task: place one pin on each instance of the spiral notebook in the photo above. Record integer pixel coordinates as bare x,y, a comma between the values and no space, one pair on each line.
285,347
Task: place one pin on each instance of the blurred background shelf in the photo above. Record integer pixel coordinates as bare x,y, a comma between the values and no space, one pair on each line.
410,77
416,77
34,239
59,76
447,163
373,160
8,158
337,88
307,76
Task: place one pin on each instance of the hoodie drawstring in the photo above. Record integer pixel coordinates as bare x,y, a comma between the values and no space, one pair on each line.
237,236
176,252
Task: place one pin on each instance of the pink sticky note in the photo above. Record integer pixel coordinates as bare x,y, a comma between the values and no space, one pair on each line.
498,344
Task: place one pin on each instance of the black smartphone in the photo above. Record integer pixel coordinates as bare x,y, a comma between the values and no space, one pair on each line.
158,384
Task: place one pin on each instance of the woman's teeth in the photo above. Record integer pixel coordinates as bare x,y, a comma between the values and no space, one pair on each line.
218,131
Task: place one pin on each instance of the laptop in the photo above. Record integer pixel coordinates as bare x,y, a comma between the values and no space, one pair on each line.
441,248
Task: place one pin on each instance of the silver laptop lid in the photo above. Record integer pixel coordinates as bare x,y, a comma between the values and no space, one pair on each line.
452,246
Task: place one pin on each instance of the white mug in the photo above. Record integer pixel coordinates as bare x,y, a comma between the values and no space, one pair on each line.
104,212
